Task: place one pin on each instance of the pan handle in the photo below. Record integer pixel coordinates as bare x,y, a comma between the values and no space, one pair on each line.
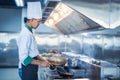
52,67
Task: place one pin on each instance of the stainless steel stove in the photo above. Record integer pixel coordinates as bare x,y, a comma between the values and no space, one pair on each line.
53,75
74,79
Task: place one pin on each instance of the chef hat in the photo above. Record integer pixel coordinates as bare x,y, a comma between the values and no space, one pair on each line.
34,10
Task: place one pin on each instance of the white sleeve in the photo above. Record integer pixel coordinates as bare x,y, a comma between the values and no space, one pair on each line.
23,45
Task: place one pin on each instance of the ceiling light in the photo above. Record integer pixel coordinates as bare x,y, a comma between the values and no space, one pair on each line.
56,16
64,8
51,21
59,13
19,3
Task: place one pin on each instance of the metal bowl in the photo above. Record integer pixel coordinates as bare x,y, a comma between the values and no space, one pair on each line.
57,61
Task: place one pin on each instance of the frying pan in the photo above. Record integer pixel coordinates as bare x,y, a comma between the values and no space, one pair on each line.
57,61
62,72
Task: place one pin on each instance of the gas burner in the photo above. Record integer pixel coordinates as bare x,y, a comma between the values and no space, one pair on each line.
53,75
74,79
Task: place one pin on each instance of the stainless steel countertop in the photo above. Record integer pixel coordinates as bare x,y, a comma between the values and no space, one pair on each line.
74,79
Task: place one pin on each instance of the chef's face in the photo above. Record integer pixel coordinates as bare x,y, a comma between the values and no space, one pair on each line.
35,23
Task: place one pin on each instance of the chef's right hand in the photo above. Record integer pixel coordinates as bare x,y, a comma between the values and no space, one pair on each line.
41,63
45,64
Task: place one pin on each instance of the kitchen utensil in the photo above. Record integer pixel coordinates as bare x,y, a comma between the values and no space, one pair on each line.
52,67
73,62
57,61
64,73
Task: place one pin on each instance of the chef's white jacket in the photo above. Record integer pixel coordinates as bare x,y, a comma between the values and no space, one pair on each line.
27,46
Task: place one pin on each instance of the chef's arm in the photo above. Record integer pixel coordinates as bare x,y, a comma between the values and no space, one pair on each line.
41,58
29,60
40,63
44,60
35,62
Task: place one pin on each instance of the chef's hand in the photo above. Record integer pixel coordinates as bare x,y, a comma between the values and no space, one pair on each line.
46,61
41,58
45,64
41,63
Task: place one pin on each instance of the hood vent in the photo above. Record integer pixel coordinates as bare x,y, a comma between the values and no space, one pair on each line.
76,22
69,21
102,12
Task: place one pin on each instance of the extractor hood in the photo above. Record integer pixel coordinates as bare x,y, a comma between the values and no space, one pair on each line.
104,12
76,22
68,21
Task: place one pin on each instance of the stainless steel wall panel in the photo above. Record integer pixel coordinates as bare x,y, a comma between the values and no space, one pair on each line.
100,47
108,48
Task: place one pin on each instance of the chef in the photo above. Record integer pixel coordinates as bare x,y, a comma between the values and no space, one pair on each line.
29,57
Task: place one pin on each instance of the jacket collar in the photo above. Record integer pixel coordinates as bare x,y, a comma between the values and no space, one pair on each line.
29,28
